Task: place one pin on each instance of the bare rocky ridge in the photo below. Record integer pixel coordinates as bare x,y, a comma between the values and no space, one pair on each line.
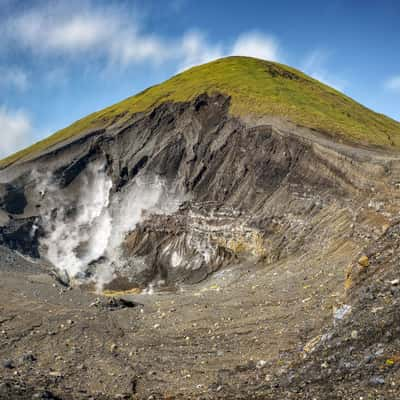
248,268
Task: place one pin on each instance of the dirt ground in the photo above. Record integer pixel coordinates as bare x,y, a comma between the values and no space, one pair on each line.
227,335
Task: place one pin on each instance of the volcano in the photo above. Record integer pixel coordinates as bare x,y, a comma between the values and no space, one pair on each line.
247,213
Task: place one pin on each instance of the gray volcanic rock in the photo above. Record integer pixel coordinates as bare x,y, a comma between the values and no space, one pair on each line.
248,227
253,188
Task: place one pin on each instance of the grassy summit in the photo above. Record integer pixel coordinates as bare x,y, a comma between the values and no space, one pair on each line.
256,87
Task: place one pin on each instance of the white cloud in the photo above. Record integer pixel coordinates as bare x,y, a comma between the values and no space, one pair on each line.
315,66
13,77
254,44
79,33
393,83
138,48
87,30
195,50
83,31
15,131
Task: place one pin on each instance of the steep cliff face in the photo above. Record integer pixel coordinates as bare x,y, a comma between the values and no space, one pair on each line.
227,191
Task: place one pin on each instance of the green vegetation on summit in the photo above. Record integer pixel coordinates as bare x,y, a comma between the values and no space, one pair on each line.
256,88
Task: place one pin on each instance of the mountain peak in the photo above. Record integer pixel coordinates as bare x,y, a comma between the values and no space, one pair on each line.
256,88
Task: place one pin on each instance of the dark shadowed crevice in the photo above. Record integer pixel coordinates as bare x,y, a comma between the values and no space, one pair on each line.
138,166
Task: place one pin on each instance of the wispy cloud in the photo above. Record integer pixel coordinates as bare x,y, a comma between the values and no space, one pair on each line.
195,48
315,65
16,131
86,30
393,83
256,44
13,77
117,35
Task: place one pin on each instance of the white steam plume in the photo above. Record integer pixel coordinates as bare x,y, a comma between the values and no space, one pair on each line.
90,222
78,232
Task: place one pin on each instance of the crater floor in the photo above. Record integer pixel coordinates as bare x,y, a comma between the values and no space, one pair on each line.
227,336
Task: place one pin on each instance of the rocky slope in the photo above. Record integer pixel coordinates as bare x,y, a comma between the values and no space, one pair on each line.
238,239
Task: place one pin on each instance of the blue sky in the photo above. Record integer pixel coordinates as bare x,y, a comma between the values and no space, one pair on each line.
60,60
